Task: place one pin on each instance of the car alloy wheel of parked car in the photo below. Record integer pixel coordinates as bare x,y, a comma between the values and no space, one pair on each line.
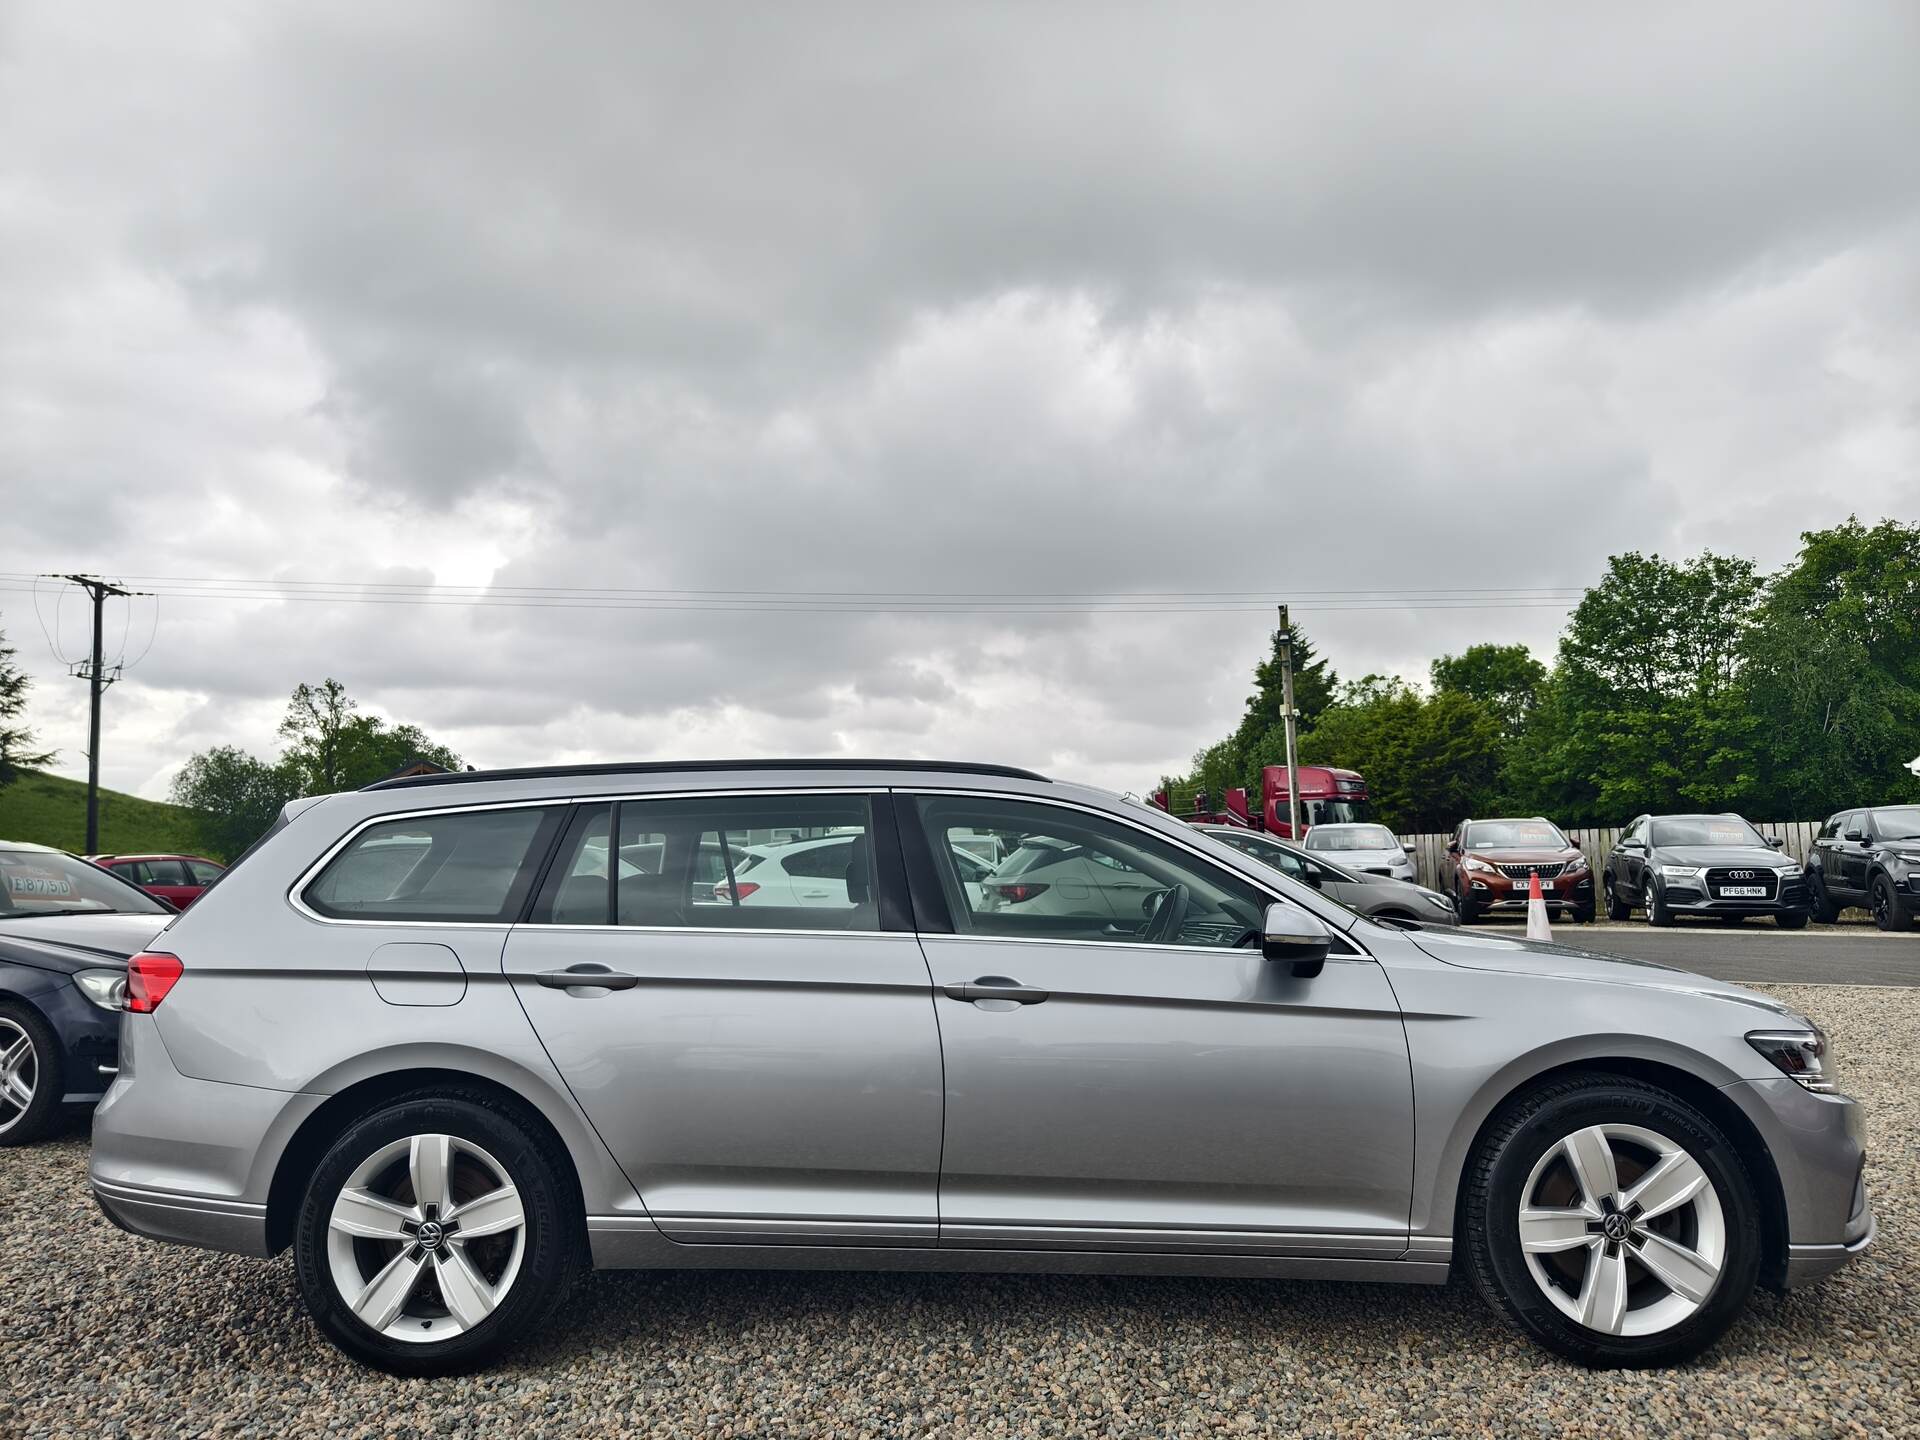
1890,911
434,1233
29,1076
477,1056
1614,1222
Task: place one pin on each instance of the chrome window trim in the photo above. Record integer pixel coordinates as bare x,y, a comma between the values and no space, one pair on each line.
312,872
1272,895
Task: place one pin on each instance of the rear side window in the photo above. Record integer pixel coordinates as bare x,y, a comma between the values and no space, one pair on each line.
165,872
460,867
724,861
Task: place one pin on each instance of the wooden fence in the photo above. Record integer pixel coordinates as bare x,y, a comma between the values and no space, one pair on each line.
1597,844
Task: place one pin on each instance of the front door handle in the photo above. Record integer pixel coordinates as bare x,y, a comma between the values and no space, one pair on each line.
996,987
575,975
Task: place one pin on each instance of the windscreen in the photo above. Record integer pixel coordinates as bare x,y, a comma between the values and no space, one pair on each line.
1707,830
1515,835
1352,837
1902,823
47,882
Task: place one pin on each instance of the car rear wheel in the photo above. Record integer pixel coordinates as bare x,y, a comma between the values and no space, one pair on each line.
1612,1222
1890,911
32,1079
435,1233
1617,908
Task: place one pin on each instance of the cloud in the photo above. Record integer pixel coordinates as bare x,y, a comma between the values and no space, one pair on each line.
864,299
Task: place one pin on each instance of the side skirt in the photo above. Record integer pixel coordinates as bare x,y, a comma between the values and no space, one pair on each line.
629,1243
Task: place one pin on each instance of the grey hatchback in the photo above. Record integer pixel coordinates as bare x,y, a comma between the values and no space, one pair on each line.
454,1038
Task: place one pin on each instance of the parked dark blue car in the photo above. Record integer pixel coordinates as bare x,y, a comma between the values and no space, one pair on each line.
66,930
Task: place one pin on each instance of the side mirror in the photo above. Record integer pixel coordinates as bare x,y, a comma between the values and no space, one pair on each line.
1776,842
1453,847
1857,836
1293,936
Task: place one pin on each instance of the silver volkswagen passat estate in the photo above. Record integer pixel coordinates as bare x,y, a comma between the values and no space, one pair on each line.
453,1038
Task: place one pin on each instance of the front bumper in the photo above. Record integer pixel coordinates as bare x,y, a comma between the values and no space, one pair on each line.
89,1041
1499,893
1819,1152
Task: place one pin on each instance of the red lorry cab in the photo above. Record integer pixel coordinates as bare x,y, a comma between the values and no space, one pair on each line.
1328,795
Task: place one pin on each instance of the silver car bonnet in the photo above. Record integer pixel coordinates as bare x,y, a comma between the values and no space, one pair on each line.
1521,957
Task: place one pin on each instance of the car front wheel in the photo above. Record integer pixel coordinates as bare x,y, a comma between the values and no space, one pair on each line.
435,1233
30,1075
1612,1222
1617,908
1890,912
1657,911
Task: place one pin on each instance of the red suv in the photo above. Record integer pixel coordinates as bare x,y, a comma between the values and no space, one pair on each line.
177,879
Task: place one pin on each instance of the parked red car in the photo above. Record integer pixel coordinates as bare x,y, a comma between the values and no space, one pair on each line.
177,879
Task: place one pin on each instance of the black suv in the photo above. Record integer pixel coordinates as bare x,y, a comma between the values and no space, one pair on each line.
1869,858
1716,865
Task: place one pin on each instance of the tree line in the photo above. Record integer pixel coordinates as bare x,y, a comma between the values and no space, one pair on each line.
1694,684
329,744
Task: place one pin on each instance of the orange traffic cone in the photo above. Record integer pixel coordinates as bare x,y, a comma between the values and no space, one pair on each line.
1537,926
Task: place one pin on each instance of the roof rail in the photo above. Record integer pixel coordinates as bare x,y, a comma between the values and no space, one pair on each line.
668,767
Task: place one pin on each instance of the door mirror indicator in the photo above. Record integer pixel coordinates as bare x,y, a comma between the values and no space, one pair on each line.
1296,938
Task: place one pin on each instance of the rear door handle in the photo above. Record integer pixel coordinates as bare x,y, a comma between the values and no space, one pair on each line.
996,987
576,975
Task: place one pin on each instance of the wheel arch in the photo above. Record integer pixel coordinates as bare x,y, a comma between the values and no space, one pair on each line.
1704,1096
314,1135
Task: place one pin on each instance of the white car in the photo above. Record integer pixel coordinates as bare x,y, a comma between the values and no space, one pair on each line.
814,872
1370,849
1044,876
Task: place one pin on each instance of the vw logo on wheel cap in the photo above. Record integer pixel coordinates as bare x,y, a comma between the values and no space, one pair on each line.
1614,1227
430,1234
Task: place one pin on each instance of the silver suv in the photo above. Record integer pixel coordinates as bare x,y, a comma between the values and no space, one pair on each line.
453,1038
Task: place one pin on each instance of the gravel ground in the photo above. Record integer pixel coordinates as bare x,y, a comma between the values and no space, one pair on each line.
103,1334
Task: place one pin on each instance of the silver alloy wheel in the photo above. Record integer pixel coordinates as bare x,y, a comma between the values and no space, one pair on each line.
1622,1230
426,1238
19,1073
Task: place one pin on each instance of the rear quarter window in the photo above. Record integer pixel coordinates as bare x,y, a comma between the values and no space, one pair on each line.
462,867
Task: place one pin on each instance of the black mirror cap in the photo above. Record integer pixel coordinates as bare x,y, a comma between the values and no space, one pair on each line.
1293,937
1776,842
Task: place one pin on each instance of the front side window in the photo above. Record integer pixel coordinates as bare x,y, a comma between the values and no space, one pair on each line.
760,862
461,867
165,872
1073,875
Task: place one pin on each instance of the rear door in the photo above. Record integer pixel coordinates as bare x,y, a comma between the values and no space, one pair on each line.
764,1074
1150,1082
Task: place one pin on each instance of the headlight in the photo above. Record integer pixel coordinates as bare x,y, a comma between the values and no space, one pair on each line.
1681,872
1789,872
1801,1054
1437,900
105,988
1579,862
1472,863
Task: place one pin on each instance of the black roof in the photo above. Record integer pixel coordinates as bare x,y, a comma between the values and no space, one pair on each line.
669,767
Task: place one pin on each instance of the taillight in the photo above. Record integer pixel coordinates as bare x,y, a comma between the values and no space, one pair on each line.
150,975
732,893
1013,894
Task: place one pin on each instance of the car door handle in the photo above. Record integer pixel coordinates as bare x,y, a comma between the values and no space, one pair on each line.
996,987
575,975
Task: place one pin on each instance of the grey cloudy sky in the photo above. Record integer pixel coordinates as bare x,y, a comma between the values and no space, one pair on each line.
891,298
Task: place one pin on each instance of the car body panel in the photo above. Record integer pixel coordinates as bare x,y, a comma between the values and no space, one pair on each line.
1361,1089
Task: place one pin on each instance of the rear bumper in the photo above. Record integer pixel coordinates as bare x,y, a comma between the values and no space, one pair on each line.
236,1226
89,1041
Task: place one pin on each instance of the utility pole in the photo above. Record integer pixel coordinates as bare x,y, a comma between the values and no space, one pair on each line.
94,673
1286,706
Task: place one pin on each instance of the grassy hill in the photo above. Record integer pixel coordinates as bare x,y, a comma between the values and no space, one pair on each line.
52,810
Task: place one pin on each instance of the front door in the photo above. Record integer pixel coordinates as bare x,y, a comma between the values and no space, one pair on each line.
764,1064
1149,1082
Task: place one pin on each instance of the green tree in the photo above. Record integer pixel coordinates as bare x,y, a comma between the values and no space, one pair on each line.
335,747
1833,669
17,750
234,796
1505,678
1651,709
1428,759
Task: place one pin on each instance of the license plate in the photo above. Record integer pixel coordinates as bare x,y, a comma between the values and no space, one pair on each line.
1741,892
